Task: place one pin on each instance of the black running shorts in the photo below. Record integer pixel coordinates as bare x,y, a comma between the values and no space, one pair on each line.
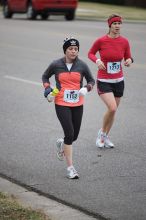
116,88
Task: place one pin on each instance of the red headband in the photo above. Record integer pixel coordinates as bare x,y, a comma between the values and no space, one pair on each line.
114,19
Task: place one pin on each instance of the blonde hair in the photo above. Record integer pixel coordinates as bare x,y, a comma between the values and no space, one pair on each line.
113,16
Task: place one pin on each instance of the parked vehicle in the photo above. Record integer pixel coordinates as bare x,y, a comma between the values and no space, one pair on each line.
40,7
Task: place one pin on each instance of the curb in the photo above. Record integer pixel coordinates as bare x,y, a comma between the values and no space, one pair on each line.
53,209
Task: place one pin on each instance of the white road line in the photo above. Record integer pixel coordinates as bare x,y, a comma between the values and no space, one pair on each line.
23,80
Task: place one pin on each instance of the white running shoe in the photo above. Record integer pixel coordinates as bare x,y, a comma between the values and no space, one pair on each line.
72,173
60,151
108,143
100,139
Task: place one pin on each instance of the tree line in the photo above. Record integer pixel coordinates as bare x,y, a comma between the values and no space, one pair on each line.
135,3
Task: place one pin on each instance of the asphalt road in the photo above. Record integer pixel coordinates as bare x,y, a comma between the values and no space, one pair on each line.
112,183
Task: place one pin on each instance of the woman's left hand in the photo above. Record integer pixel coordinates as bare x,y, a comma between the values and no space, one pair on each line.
128,62
83,91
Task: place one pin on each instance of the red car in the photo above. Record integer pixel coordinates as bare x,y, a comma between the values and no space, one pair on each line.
40,7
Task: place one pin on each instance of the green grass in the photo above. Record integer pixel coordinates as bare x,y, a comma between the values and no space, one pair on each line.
98,10
10,209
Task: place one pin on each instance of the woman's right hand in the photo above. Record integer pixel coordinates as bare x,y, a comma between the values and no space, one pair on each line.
100,64
50,97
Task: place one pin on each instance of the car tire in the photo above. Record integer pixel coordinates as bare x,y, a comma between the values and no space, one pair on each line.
6,11
31,14
44,16
70,15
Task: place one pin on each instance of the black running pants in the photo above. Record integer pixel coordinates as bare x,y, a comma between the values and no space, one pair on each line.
70,119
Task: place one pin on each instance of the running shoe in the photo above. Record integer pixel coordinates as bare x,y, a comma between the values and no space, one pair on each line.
100,139
108,143
60,151
72,173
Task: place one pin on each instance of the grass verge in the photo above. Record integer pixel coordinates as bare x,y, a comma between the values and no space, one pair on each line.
102,11
10,209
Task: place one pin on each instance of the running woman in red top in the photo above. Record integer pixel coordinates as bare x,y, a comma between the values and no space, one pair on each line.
69,72
113,49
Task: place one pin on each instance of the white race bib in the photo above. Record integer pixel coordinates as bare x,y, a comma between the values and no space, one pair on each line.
71,96
113,67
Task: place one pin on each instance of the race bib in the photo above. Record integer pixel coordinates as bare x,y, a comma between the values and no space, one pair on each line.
113,67
71,96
